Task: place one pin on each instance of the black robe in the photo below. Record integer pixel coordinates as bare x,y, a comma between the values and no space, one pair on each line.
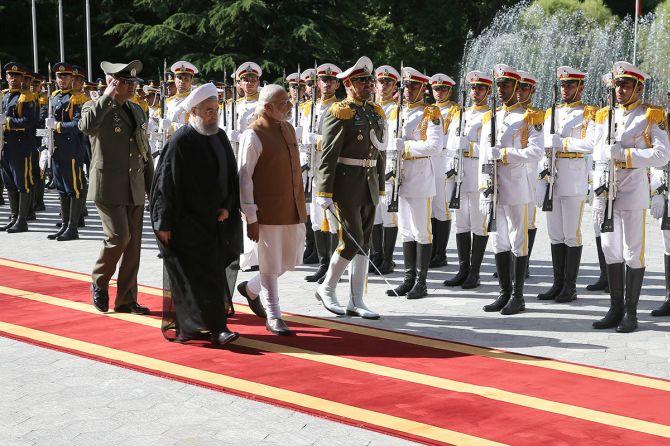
186,194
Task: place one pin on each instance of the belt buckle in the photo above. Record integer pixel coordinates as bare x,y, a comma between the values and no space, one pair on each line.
367,163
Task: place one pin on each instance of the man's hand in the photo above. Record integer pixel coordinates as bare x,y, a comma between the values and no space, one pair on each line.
463,144
613,151
399,144
50,123
484,204
298,133
252,231
325,203
165,124
164,237
112,88
495,153
234,136
313,138
657,206
223,215
553,142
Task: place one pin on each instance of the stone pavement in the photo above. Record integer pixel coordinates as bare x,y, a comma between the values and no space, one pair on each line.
57,398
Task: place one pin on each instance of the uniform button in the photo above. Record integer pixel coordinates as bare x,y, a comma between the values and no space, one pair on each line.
131,155
131,139
130,170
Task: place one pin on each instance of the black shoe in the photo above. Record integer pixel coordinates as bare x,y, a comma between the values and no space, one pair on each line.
278,327
503,267
224,337
309,256
255,304
634,278
198,336
100,298
516,304
21,224
133,308
463,246
601,284
664,310
558,254
572,261
376,249
420,289
478,248
615,277
409,255
441,230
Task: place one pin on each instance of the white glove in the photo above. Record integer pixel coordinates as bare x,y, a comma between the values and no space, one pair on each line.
50,123
313,138
325,203
495,153
399,144
598,209
3,119
234,136
165,123
657,206
463,144
540,192
553,141
484,204
298,133
613,151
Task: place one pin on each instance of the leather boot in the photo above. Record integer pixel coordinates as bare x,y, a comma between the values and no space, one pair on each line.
558,254
322,245
463,246
600,284
516,304
64,215
504,270
572,261
13,209
376,254
2,190
84,209
634,278
358,273
334,241
420,288
615,279
439,246
71,233
531,241
310,256
409,257
325,293
478,248
21,224
31,206
390,236
39,195
664,309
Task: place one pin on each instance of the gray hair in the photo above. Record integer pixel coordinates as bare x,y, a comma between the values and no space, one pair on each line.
266,96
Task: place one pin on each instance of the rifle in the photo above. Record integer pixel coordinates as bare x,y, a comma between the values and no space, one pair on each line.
396,174
610,173
48,134
296,109
665,222
455,200
233,111
549,171
311,153
163,105
225,98
491,169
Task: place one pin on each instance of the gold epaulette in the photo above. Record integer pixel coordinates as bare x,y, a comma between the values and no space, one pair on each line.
601,115
454,111
547,113
394,113
432,113
487,117
43,100
342,110
590,112
305,106
655,114
79,99
379,110
27,96
534,116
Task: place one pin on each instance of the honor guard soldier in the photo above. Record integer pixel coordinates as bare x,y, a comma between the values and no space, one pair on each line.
19,120
27,87
518,142
637,141
152,92
420,138
139,98
42,155
385,228
570,142
323,223
471,231
183,79
350,182
247,77
79,97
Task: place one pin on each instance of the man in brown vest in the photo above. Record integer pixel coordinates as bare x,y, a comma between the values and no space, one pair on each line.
272,199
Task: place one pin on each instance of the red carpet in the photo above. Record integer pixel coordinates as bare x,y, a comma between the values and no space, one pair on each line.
418,388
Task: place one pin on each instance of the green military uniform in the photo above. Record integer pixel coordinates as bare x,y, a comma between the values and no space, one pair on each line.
120,176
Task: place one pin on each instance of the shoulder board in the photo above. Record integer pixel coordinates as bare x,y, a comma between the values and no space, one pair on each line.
27,97
534,116
454,110
54,93
79,99
6,90
655,114
393,114
341,110
601,115
487,117
305,106
379,110
240,100
43,100
432,113
590,112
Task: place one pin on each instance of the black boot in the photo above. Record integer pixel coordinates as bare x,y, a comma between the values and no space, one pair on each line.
390,235
463,245
409,257
376,254
39,195
572,261
441,231
615,279
334,241
31,206
71,233
504,270
558,254
634,278
310,256
64,214
478,248
516,304
322,245
531,241
13,209
600,284
420,288
84,209
21,224
664,310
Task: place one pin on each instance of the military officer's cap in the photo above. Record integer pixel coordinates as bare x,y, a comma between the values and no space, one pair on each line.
15,68
101,82
607,79
37,77
502,71
88,84
623,69
127,71
527,78
62,68
566,73
293,79
247,68
170,78
182,66
387,72
28,74
78,71
328,70
413,75
478,77
308,75
440,79
363,67
150,88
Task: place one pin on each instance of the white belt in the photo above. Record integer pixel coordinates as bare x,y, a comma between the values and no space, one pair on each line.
356,162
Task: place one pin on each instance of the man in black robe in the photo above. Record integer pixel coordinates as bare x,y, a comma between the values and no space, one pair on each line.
195,212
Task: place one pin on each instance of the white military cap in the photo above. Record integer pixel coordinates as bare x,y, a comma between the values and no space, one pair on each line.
503,71
387,71
184,67
478,77
248,68
627,69
441,79
527,78
414,75
198,95
328,70
362,67
308,75
293,79
149,89
566,73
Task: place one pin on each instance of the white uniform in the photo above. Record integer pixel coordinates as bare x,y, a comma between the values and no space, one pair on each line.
645,145
153,129
423,134
382,215
174,113
519,135
531,171
469,217
443,186
575,124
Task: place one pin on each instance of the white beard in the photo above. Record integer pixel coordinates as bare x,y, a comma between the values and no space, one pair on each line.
197,124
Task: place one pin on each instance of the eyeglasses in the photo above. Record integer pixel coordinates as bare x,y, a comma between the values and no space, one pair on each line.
208,111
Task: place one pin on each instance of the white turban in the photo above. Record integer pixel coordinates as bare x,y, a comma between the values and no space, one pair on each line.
198,95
